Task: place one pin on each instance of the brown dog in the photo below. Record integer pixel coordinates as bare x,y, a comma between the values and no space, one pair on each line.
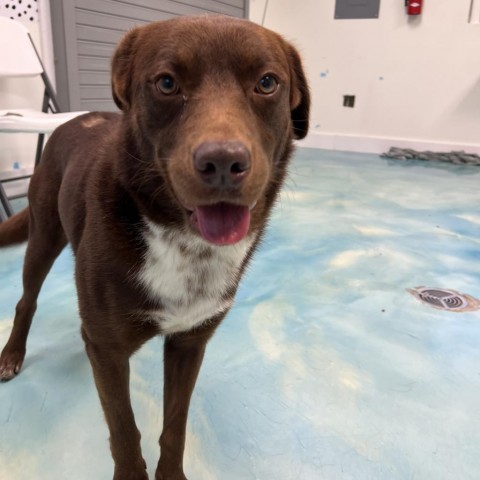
164,205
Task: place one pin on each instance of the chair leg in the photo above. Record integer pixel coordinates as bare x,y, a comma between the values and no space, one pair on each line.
5,203
3,216
38,154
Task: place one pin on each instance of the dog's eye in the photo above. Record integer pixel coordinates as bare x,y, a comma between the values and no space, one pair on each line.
267,85
167,85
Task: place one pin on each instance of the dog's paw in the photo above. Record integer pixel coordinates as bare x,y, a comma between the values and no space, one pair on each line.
170,476
132,472
137,475
11,361
166,477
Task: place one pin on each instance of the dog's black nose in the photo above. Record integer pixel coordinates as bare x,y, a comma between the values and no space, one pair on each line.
222,164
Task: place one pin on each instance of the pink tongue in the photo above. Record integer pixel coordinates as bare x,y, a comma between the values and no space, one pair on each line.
223,223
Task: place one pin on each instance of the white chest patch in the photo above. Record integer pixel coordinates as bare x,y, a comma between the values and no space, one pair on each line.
188,277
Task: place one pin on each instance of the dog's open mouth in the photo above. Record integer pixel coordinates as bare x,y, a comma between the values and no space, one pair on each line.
222,223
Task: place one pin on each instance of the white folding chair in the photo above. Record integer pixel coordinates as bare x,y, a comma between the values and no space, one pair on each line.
22,60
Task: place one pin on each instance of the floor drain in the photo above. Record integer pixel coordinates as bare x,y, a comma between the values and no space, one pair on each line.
444,299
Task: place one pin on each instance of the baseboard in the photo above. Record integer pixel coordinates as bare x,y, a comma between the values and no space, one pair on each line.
371,144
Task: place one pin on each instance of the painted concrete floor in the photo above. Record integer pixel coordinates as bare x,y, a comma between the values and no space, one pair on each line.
326,368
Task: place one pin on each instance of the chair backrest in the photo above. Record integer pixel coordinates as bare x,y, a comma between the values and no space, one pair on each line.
17,54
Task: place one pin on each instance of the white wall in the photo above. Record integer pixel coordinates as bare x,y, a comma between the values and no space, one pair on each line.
416,79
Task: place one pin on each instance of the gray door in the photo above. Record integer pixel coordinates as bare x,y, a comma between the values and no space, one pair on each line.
85,33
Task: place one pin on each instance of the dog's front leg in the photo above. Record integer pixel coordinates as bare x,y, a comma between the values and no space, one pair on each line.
111,371
183,355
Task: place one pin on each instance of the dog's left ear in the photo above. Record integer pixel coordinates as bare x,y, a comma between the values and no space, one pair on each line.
122,66
299,95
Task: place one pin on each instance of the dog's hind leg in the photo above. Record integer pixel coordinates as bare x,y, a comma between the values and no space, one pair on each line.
46,241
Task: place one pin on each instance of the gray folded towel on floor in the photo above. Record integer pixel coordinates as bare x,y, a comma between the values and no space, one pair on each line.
459,158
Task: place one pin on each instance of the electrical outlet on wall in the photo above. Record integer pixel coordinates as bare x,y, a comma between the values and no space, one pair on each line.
349,101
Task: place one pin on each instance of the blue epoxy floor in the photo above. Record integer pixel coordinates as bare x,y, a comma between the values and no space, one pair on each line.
326,368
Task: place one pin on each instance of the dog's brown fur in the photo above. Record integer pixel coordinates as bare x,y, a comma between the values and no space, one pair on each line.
104,177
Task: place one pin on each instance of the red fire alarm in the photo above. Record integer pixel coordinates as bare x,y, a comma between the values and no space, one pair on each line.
414,7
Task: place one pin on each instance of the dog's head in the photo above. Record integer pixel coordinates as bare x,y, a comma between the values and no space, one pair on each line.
211,105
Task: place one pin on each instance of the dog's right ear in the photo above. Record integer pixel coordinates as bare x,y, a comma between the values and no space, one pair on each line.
122,67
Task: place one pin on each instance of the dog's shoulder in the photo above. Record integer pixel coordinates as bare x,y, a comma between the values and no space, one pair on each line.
90,122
